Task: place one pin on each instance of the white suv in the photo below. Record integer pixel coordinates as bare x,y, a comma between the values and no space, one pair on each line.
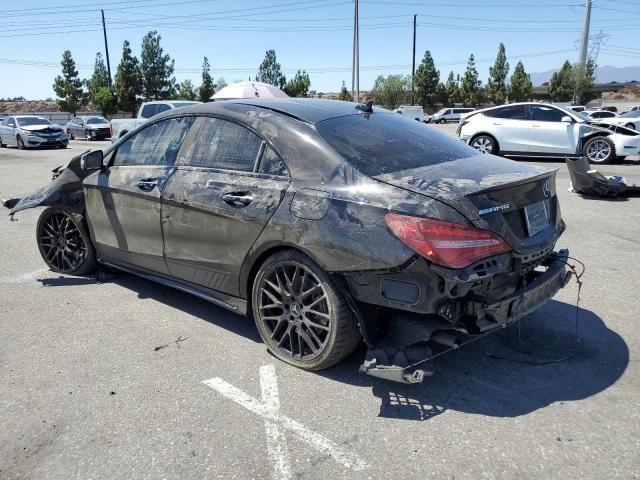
542,130
450,115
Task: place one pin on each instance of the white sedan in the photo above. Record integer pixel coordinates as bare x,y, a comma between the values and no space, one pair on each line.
533,129
630,120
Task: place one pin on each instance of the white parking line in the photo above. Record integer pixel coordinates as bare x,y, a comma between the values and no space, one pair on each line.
276,424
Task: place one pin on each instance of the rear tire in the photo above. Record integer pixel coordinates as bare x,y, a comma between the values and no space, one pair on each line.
599,150
632,126
63,242
441,121
301,314
484,144
71,137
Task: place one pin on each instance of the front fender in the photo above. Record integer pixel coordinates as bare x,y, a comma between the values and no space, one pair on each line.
64,190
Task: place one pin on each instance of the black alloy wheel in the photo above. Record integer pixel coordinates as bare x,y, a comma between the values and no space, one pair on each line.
300,314
63,242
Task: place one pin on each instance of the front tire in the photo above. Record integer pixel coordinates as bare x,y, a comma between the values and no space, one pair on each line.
599,150
485,144
441,121
70,133
301,314
631,126
20,143
64,243
87,135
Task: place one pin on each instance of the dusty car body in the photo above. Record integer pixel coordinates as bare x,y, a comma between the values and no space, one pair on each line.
30,131
326,237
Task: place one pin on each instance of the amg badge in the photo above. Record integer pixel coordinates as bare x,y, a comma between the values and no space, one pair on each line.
497,208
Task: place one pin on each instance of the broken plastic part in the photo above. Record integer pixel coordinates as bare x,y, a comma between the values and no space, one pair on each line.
591,182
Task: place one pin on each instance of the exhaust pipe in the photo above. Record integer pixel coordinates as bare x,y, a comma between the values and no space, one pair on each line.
445,339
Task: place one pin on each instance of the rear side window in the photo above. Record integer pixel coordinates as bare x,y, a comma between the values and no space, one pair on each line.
157,144
384,143
223,144
270,163
513,112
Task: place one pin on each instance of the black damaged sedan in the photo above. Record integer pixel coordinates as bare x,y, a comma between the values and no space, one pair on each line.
328,222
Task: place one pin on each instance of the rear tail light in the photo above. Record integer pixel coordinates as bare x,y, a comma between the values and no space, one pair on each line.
448,244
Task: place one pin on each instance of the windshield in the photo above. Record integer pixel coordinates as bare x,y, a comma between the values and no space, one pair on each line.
384,143
96,120
26,121
634,114
583,116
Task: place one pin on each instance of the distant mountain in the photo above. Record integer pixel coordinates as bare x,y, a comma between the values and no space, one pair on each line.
606,74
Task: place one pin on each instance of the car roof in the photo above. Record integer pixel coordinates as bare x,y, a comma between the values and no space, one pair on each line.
308,110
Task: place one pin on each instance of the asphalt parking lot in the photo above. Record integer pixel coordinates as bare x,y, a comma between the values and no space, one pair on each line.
105,379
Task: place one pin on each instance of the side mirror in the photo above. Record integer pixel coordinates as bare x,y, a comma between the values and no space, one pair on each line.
566,119
91,160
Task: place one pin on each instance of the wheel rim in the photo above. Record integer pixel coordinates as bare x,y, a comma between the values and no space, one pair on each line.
20,144
62,245
294,310
483,144
87,135
598,151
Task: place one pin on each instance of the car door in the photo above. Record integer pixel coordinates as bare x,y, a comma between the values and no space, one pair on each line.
8,131
123,202
548,134
227,185
510,127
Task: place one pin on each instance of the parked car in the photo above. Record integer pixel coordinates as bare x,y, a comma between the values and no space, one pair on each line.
449,115
415,112
598,114
88,127
26,131
629,119
542,130
121,126
327,221
577,108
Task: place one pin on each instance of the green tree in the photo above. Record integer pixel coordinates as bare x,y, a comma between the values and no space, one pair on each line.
207,89
452,90
270,72
345,95
186,91
68,87
470,88
299,85
584,79
99,78
128,81
157,69
562,85
220,84
392,91
520,87
497,83
426,81
105,101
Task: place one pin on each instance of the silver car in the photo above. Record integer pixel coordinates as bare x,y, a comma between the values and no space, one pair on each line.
26,131
92,127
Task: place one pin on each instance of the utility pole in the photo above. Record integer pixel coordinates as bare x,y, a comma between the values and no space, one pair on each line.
355,72
585,33
106,47
413,67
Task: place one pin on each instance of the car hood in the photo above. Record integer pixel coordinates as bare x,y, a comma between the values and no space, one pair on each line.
600,126
41,128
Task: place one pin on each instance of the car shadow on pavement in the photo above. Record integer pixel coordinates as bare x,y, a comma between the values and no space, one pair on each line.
516,371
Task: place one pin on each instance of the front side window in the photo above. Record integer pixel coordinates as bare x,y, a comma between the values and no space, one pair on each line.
11,122
152,109
544,113
157,144
222,144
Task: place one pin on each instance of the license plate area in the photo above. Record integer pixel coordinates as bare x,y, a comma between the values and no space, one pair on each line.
536,217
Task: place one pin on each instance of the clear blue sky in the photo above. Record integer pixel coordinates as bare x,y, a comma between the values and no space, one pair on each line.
312,35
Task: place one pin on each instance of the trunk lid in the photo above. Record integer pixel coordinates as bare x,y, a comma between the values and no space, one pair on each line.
514,200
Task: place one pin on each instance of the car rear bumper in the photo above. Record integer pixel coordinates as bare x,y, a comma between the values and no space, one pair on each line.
452,308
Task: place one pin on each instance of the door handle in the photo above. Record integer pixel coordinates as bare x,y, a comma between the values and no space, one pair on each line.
237,199
495,123
147,184
535,126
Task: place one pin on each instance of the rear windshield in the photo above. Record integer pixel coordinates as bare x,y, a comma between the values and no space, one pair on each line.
386,143
96,120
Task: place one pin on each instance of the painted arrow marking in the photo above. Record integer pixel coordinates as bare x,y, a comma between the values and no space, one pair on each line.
276,424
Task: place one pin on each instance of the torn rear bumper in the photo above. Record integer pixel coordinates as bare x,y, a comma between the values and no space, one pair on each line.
413,340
